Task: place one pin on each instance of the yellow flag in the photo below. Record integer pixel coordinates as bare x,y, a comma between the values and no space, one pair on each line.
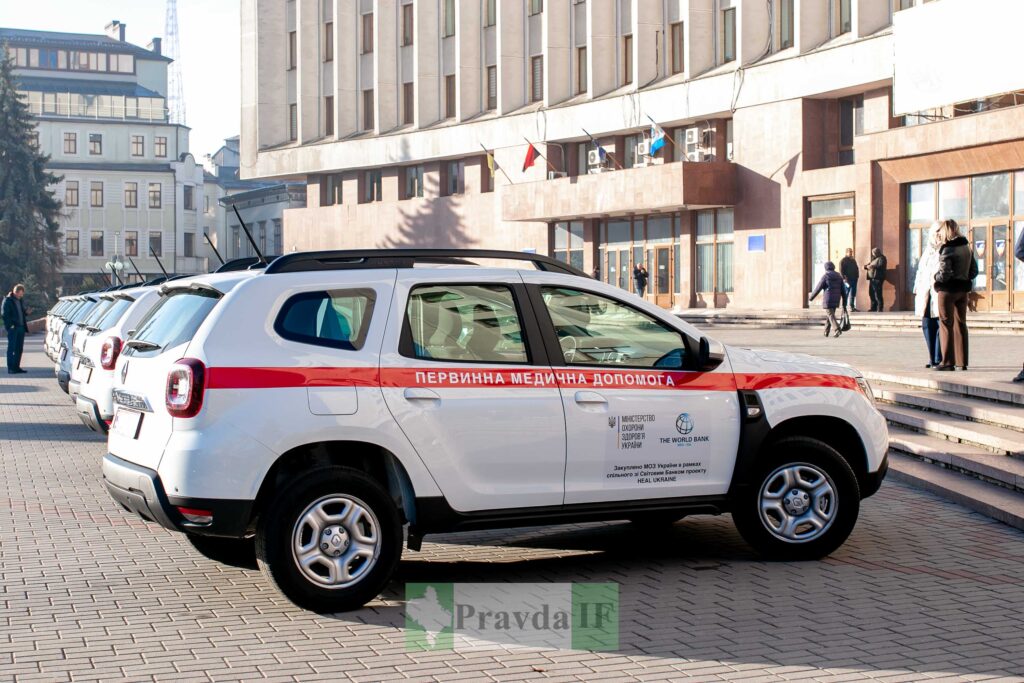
490,163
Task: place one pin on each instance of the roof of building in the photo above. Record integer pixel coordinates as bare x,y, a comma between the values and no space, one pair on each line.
84,86
272,189
20,36
58,165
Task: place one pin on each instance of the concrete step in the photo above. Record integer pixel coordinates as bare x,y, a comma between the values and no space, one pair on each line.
953,383
969,460
993,501
972,409
997,440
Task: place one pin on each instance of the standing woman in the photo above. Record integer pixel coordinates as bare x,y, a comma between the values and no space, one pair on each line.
926,301
953,281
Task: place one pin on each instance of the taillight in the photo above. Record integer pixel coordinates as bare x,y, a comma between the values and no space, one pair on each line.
109,352
186,381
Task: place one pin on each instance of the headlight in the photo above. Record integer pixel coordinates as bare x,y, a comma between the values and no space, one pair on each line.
866,389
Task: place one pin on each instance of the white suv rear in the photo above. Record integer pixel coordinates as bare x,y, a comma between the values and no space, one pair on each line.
315,409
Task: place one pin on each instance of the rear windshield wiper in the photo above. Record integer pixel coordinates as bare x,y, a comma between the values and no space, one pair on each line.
142,345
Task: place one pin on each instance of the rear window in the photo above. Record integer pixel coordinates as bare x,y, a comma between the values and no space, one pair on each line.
337,318
83,311
175,318
113,314
97,312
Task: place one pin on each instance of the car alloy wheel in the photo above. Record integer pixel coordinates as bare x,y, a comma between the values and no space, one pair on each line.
336,541
798,503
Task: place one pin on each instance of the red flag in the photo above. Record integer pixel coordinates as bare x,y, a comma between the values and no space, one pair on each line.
531,157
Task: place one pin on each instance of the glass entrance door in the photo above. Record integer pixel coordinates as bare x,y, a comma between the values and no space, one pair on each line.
1017,270
661,279
829,242
993,247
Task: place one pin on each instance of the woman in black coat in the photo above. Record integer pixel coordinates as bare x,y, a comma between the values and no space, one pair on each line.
831,283
953,283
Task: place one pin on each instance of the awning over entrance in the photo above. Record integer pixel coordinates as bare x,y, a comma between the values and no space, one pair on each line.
645,189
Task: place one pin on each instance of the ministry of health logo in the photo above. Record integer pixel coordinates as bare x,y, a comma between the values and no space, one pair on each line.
684,423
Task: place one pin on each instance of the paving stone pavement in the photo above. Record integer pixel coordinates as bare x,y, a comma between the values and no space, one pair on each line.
923,589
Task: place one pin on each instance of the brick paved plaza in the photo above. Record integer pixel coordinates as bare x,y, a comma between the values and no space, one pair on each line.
924,589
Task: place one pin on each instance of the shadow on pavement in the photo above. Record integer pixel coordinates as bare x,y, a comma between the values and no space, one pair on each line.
31,431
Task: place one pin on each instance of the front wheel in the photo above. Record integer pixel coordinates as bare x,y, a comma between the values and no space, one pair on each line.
803,502
330,540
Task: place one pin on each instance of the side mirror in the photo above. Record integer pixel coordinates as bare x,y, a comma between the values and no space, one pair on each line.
710,354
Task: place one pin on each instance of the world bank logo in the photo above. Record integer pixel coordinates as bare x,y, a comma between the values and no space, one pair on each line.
684,423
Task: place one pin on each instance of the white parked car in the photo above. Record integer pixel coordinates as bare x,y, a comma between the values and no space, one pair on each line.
316,408
66,331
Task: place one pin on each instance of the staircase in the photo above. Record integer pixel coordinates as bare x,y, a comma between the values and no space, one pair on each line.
964,442
899,321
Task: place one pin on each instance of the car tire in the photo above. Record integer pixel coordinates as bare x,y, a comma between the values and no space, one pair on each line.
330,540
802,502
234,552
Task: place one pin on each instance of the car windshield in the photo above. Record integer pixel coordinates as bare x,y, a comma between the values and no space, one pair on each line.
175,319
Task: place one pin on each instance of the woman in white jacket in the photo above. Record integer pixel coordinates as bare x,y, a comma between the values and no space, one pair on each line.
925,300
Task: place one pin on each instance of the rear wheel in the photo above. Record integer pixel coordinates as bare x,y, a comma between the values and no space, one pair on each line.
803,502
236,552
330,540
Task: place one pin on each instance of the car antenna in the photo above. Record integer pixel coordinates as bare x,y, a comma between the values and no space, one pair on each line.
153,252
206,236
248,234
130,260
104,276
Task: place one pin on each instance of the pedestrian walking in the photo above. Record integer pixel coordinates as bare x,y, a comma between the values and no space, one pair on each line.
1018,251
876,268
953,281
926,300
640,278
850,271
16,323
831,283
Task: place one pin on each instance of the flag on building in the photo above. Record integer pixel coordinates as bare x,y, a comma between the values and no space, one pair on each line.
491,164
531,157
657,138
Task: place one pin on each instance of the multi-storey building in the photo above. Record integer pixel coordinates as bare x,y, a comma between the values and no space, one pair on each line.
794,129
129,186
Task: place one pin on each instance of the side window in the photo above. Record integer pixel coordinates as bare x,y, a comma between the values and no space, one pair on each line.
596,330
468,323
337,318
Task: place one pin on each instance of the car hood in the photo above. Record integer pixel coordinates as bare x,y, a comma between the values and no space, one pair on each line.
754,361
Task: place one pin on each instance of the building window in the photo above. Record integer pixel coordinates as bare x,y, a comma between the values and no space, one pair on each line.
96,243
71,193
904,4
292,51
491,12
160,147
627,59
714,251
373,189
728,35
71,143
851,123
71,243
537,79
263,235
449,97
330,189
96,193
138,146
156,243
278,238
581,70
131,195
131,243
449,18
329,41
155,198
293,122
235,246
492,88
95,144
536,6
486,174
454,177
785,24
407,25
368,110
413,181
629,155
368,33
329,115
190,198
843,16
568,239
676,36
33,137
206,204
408,103
189,244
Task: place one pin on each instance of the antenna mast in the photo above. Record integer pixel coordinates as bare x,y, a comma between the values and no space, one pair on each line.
175,90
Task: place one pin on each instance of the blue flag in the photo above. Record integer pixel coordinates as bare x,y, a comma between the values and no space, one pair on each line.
657,138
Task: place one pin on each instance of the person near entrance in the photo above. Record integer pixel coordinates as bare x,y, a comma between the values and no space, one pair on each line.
926,300
876,268
16,325
640,278
953,281
831,283
1018,252
850,271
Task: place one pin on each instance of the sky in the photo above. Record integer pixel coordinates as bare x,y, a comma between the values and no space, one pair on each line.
208,34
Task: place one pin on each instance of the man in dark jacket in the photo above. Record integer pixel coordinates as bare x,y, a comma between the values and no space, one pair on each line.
831,283
640,278
850,271
876,268
16,325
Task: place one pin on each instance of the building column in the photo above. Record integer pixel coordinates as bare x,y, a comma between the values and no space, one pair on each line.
648,27
699,40
557,53
385,64
469,86
307,85
427,62
346,68
602,74
512,67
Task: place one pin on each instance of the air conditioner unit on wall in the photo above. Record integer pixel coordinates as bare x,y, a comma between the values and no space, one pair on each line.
594,159
643,149
691,136
693,156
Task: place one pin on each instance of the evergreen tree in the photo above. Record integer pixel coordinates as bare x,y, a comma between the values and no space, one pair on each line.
29,211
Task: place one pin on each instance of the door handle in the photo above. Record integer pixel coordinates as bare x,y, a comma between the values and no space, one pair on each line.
590,397
418,394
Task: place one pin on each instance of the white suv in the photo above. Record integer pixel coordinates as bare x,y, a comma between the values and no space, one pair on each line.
314,409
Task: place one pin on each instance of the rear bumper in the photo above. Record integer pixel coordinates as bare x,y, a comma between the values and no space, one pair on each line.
64,379
89,413
139,491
